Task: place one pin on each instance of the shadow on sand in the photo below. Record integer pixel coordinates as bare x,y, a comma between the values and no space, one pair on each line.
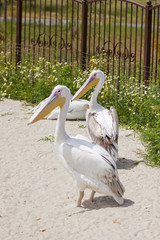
105,202
102,202
124,163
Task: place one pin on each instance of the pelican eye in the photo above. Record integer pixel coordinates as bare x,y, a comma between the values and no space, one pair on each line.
58,91
93,77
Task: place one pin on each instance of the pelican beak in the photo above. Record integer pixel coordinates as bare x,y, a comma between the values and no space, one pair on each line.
91,81
52,102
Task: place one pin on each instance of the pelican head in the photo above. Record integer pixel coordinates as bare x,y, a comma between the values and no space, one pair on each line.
57,98
94,78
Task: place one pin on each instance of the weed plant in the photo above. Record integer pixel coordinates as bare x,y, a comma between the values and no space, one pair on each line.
138,106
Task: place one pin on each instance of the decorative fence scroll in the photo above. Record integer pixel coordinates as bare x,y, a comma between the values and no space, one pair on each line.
119,50
46,41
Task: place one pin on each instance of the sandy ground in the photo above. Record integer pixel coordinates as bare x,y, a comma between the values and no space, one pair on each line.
38,197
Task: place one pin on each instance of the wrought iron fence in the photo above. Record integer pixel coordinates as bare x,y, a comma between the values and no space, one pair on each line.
125,34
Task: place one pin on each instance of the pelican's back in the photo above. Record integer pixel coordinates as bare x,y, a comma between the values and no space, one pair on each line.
103,129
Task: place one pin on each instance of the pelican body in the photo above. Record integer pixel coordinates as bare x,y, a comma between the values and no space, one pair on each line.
102,123
89,164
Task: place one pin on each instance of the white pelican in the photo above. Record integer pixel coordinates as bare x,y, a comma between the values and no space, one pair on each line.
76,110
102,123
90,164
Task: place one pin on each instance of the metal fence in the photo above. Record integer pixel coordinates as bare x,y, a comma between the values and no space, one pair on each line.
124,34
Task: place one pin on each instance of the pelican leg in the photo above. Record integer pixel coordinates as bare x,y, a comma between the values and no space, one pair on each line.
81,195
92,196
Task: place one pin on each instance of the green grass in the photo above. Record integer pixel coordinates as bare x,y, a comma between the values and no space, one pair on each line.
45,139
138,107
82,126
6,114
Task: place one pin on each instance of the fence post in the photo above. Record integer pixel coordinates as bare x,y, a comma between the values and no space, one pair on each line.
147,42
18,31
84,34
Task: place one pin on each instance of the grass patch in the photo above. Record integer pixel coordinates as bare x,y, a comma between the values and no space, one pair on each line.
82,126
6,114
49,138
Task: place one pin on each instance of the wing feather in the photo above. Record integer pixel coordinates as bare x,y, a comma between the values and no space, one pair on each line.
82,158
103,128
100,126
78,106
114,123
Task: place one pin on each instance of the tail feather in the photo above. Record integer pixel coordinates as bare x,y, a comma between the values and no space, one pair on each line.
120,188
119,192
113,150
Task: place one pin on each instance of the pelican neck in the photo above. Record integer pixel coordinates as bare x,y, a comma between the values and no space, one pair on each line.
60,132
93,101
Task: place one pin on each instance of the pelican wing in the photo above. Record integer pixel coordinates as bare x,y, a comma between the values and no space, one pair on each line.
78,106
115,123
77,109
82,156
100,125
103,125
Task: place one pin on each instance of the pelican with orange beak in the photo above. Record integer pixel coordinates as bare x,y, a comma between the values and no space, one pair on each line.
89,164
102,123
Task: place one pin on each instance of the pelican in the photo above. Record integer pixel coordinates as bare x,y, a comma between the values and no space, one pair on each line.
90,165
102,123
76,110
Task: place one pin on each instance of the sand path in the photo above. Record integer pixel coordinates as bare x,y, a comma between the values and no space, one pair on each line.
38,197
